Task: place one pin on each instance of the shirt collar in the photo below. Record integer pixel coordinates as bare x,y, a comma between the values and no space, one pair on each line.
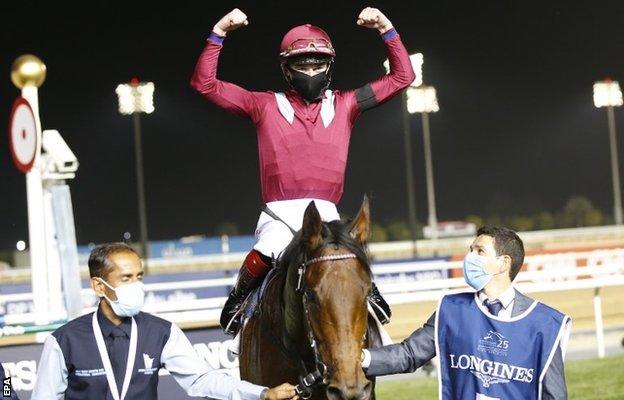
107,326
506,298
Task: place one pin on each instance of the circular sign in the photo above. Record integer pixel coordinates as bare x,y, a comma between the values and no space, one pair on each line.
23,138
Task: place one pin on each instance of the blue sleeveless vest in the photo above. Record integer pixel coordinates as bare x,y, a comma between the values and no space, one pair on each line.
485,358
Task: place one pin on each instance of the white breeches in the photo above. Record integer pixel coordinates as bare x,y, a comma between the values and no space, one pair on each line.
273,236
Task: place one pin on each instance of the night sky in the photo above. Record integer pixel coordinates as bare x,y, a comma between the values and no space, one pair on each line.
517,126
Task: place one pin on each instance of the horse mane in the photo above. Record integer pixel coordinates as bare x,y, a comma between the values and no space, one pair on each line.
333,232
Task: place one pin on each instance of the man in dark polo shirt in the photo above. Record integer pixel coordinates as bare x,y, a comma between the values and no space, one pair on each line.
116,352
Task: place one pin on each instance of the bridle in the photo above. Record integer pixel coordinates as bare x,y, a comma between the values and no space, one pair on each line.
308,379
305,264
320,375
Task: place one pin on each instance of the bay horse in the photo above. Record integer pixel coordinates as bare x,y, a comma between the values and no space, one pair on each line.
313,315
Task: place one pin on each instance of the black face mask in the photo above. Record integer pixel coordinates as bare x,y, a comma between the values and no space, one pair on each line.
309,87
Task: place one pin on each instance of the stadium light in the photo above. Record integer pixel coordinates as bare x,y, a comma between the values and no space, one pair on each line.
417,62
136,98
420,98
423,100
607,94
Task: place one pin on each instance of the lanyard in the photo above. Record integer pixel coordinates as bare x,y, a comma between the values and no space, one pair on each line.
99,339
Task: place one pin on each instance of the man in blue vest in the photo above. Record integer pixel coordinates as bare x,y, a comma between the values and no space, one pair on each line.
117,351
493,344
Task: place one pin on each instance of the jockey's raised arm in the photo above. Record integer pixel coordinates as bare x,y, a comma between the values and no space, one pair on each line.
401,72
226,95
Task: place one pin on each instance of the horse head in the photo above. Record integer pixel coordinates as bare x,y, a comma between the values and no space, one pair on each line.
334,284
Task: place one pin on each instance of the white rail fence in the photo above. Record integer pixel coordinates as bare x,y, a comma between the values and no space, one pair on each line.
400,283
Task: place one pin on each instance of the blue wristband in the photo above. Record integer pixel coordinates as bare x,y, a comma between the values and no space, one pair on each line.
389,35
216,38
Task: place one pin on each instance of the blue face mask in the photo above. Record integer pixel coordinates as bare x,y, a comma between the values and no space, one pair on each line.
475,272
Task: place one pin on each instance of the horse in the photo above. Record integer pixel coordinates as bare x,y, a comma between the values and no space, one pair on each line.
312,321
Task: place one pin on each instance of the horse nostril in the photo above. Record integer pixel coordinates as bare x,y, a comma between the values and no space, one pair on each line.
334,393
366,392
344,393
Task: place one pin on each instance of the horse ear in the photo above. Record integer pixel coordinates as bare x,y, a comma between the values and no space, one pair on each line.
311,228
360,227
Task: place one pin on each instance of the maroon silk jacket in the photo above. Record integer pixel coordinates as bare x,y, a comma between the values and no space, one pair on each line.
303,151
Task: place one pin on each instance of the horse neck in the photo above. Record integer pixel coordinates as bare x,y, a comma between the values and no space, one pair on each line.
293,305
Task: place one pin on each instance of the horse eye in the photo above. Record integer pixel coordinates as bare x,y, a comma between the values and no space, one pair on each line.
311,296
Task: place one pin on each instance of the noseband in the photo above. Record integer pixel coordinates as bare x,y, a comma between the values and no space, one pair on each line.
330,257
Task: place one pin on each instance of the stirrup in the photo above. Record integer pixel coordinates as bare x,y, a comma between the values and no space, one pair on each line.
234,325
381,314
379,304
231,314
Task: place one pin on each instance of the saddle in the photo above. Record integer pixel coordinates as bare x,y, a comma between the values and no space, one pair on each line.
253,300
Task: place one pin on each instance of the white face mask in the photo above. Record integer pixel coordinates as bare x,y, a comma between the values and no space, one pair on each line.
130,298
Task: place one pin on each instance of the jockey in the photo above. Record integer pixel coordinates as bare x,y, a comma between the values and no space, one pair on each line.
303,135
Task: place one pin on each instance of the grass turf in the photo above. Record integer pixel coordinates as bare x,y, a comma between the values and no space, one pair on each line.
587,380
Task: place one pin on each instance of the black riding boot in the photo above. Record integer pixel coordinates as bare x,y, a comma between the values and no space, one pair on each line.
230,315
252,272
381,308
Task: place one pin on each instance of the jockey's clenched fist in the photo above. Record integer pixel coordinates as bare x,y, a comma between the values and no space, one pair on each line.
374,19
231,21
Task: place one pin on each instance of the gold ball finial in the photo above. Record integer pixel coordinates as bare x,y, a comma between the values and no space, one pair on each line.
28,70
